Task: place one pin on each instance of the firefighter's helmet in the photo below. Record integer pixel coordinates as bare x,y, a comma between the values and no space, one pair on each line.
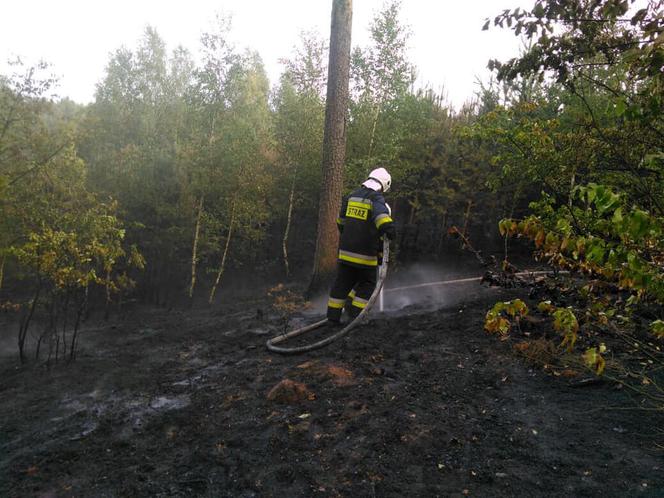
383,177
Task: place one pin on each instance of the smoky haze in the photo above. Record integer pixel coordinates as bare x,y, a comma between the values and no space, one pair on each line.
404,288
77,36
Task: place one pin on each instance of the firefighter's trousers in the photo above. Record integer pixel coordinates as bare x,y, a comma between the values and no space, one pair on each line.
351,290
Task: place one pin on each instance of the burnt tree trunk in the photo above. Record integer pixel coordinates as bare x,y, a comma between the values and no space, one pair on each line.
334,144
25,324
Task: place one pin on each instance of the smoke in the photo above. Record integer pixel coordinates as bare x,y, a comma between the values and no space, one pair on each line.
317,307
8,337
407,287
396,298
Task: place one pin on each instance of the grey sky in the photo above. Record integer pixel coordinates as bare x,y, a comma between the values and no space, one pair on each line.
77,36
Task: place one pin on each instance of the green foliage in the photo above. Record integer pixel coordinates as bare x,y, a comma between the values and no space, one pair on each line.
594,359
382,73
607,121
164,134
657,328
565,322
382,76
84,250
306,70
618,249
497,321
601,236
298,129
593,31
167,134
4,182
590,147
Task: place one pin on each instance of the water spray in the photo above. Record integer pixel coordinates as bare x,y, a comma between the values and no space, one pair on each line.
382,273
378,294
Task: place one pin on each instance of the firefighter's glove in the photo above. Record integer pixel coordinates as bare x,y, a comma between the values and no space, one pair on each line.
389,231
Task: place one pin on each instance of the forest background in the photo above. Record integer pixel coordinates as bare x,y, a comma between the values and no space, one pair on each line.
182,171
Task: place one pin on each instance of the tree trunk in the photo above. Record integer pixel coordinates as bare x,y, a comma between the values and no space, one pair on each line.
223,258
25,324
39,341
443,233
2,268
515,198
466,218
373,131
284,243
107,303
57,346
48,328
194,250
334,144
413,211
80,310
570,199
65,323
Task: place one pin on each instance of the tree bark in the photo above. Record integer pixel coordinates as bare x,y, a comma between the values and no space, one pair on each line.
74,337
25,323
107,303
466,218
2,268
284,242
223,258
334,144
373,131
64,324
194,251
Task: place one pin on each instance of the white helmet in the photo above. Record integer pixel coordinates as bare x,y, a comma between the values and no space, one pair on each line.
381,176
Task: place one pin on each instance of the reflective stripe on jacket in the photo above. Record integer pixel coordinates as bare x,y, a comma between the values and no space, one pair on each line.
363,218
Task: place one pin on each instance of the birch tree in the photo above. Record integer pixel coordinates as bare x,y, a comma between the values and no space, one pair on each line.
299,131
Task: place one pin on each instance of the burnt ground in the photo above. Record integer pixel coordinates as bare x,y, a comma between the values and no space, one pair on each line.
420,402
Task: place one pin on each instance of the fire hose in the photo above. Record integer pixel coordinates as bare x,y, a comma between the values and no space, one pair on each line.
271,344
382,273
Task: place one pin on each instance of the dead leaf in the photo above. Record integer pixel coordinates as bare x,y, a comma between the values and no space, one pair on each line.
340,376
522,346
288,391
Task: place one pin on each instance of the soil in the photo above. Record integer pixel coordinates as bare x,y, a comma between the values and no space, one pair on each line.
417,402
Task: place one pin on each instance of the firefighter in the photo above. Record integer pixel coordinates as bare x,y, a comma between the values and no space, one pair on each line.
364,219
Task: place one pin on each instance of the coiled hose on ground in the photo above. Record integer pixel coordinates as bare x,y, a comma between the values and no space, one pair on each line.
271,343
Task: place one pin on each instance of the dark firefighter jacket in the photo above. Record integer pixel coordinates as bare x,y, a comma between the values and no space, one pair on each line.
363,219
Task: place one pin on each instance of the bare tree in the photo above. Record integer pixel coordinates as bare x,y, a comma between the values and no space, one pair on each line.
334,143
